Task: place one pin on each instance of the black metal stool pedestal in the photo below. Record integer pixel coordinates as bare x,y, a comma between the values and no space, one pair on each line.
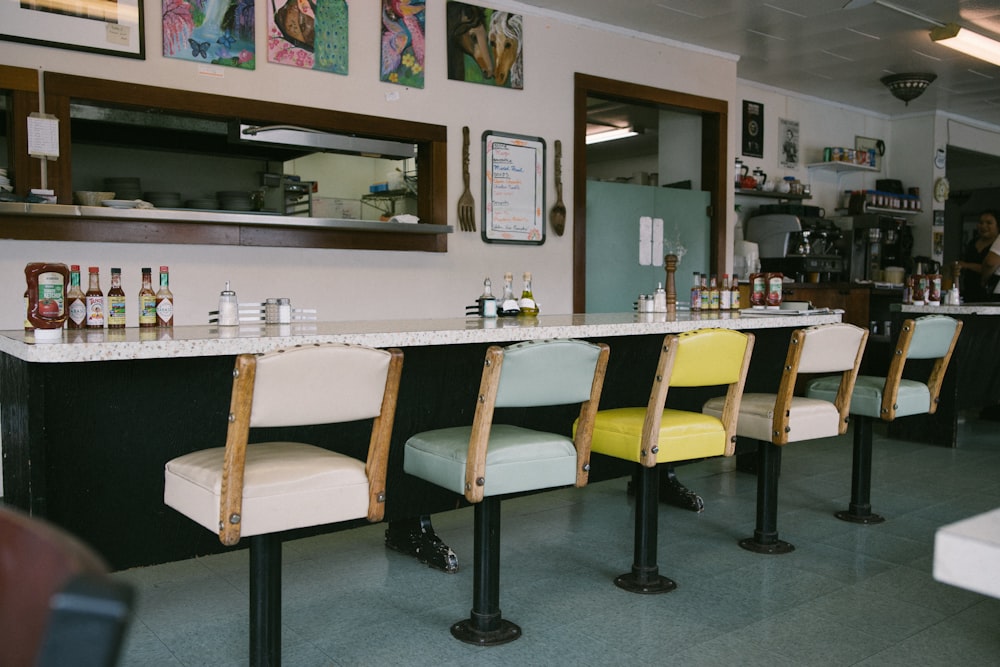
860,508
765,535
645,575
485,626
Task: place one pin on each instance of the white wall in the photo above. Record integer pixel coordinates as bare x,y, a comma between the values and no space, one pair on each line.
821,124
350,284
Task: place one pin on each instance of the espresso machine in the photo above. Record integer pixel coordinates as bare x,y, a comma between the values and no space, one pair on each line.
873,242
798,242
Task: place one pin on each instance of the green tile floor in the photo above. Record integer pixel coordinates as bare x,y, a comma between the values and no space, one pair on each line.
848,595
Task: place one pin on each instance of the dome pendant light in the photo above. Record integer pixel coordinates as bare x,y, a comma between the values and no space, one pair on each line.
908,87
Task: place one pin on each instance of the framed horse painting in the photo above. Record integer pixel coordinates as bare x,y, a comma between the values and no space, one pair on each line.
485,46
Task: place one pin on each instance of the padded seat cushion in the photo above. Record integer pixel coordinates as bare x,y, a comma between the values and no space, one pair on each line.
286,485
683,435
913,398
809,418
518,459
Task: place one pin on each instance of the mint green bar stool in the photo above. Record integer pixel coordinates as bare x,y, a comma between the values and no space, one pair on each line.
488,460
886,398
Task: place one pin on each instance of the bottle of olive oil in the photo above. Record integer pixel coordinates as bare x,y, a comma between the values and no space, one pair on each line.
526,303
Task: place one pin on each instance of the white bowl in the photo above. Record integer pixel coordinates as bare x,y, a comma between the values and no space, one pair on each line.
91,198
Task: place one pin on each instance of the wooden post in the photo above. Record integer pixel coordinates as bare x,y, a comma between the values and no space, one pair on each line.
671,265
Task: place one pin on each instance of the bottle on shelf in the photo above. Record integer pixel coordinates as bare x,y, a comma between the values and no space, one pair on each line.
147,299
46,296
28,326
116,301
487,302
725,293
703,292
526,304
95,300
713,293
76,301
508,303
734,293
164,300
696,292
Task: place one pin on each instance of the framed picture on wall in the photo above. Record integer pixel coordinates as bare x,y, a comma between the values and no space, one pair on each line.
112,27
753,129
789,137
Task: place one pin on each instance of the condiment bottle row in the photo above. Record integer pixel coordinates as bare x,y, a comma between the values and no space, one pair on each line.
488,305
55,298
708,293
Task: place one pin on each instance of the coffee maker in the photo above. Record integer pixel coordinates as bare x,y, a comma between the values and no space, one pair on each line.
873,242
801,244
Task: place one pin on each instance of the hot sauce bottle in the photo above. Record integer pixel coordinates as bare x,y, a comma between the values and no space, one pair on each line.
147,300
76,307
116,301
95,300
164,300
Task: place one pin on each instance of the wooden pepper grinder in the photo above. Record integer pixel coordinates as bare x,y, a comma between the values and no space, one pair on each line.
671,265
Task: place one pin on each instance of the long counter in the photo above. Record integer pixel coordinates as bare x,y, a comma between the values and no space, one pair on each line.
973,378
211,341
89,421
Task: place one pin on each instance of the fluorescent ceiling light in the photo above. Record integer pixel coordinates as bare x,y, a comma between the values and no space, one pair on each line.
611,135
978,46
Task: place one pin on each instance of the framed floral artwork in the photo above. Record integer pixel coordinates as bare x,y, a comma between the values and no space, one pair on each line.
312,34
218,32
402,41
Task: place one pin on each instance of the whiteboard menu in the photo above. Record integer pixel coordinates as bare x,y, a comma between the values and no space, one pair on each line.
514,189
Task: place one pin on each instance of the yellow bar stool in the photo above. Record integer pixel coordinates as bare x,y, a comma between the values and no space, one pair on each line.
775,420
263,489
932,337
489,460
653,435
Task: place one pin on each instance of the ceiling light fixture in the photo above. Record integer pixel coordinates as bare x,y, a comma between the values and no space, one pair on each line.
970,43
611,135
908,87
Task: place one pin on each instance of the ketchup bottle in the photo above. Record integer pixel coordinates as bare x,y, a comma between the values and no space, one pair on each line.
47,297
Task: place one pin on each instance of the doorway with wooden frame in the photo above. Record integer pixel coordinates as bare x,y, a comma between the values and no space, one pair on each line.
714,175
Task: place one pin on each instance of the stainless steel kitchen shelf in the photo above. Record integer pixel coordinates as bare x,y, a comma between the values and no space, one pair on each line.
236,218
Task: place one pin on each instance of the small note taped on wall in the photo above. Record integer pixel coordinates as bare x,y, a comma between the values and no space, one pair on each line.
43,135
657,242
118,34
645,241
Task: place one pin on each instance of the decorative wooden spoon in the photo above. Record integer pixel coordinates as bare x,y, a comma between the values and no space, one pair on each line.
557,216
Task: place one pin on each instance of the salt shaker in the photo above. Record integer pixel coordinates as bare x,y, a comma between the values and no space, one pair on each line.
284,310
229,312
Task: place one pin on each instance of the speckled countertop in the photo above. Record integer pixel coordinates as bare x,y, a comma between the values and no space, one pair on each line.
965,309
211,341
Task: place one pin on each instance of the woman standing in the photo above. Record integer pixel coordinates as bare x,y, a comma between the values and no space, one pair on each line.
973,256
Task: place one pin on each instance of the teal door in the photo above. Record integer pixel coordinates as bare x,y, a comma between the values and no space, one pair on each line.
615,276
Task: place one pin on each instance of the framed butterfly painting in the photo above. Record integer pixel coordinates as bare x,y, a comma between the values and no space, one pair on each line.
311,34
217,32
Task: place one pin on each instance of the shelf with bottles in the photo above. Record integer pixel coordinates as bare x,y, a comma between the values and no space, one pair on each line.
840,166
741,192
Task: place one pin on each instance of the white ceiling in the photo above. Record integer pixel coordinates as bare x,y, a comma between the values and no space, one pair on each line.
820,49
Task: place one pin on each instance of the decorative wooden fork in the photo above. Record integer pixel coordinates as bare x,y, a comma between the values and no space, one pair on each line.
466,204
